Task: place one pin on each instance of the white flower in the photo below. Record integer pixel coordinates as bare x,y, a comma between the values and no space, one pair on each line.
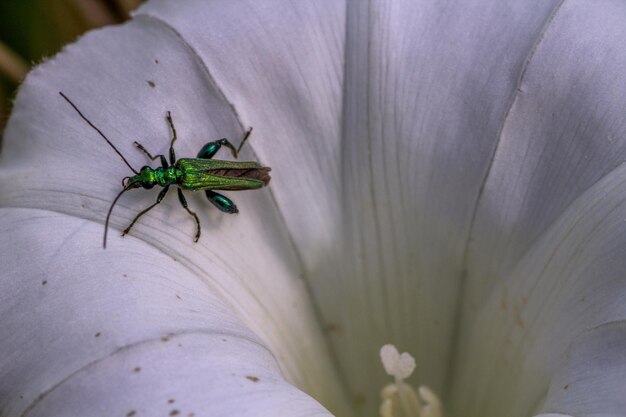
446,176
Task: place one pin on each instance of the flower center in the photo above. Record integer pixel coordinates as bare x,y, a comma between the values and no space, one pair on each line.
401,399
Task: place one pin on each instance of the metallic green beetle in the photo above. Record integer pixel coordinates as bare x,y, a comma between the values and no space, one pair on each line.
201,173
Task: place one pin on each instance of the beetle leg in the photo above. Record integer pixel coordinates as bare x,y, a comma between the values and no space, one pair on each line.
211,148
172,153
245,138
183,202
223,203
159,198
152,158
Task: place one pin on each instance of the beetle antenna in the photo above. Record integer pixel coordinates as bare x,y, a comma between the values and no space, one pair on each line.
98,130
106,223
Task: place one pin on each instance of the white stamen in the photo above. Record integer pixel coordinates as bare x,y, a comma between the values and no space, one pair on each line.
400,398
432,405
398,365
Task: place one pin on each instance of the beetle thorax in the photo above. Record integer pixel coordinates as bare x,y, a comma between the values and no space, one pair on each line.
148,177
166,176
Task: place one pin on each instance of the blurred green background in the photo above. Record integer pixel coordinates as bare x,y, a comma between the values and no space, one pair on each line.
31,30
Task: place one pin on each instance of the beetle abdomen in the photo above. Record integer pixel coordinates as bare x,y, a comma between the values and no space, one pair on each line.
261,173
214,174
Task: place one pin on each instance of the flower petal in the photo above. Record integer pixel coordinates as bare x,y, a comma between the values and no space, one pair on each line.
119,331
569,284
559,138
125,79
427,87
590,380
544,263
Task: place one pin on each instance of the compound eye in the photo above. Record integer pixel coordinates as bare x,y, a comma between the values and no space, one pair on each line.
147,186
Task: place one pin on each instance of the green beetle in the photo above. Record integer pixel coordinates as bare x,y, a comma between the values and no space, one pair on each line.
200,173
